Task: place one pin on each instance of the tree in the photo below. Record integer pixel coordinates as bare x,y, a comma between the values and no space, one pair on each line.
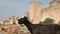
48,21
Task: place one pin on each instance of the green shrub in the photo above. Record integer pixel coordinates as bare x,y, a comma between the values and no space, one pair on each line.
47,21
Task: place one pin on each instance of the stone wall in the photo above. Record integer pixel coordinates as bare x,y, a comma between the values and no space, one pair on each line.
35,12
38,14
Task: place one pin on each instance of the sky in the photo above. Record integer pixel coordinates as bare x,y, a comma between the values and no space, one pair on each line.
17,8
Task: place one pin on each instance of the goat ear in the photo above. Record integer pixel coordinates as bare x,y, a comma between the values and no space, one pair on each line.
22,16
25,17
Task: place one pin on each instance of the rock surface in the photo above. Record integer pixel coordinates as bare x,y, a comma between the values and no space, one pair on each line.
13,29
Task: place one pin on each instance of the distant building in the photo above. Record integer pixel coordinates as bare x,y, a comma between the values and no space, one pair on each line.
35,12
38,14
11,20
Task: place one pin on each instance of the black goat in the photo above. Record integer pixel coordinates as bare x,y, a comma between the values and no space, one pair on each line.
40,28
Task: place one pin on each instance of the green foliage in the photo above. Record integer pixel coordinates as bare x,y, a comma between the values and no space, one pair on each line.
48,21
